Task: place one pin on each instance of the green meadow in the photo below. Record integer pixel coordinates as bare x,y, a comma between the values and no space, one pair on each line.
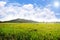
29,31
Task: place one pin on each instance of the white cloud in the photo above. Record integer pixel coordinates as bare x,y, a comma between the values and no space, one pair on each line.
2,3
27,11
28,6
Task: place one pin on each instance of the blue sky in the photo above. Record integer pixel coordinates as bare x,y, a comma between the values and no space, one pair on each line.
37,2
46,6
41,3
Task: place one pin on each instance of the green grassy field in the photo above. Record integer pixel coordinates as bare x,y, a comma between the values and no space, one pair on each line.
29,31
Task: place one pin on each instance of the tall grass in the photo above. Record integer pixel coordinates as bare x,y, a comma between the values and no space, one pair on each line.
29,31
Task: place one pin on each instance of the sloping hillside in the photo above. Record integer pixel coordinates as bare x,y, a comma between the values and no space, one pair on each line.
18,21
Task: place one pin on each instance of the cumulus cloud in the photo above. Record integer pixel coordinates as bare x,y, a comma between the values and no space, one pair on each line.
2,3
26,11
